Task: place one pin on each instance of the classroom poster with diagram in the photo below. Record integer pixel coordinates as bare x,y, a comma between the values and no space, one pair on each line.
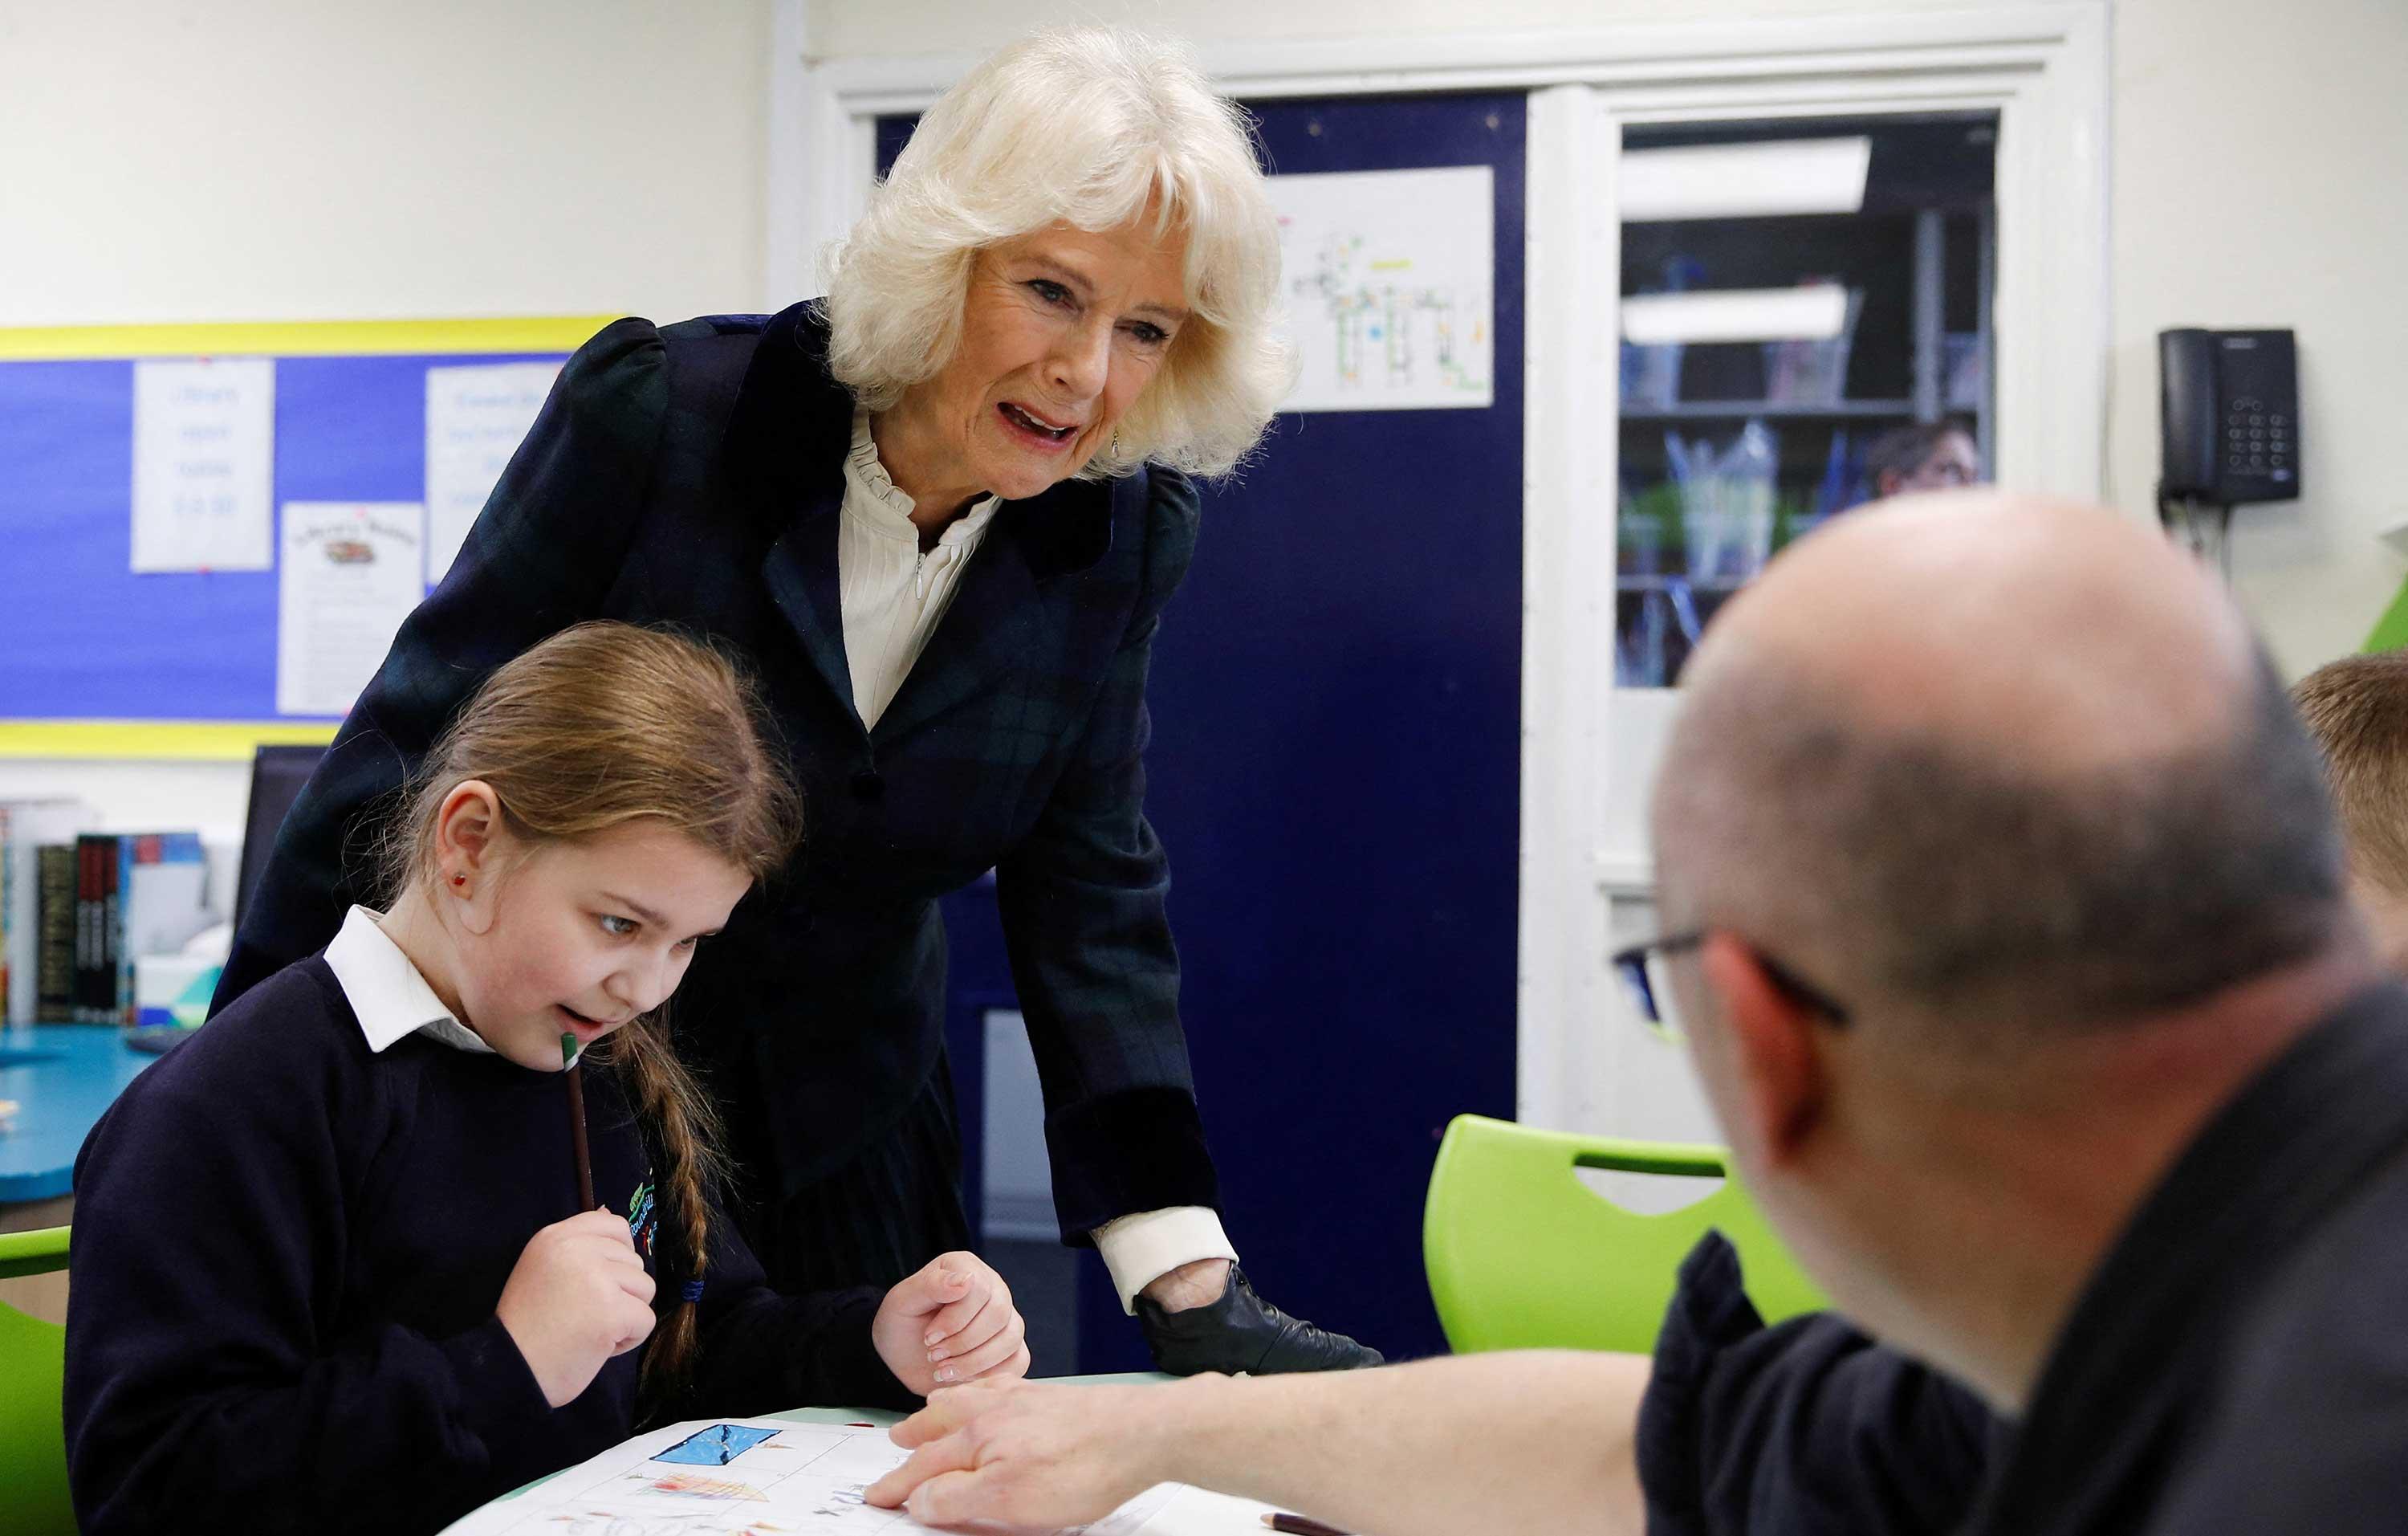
1390,285
349,575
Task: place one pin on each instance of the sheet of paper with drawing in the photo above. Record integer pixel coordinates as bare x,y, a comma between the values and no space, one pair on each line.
772,1477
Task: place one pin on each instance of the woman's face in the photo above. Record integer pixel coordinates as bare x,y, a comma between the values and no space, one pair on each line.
1952,461
1062,329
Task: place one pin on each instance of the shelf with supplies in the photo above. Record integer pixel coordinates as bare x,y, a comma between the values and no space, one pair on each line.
1660,581
1717,411
1772,366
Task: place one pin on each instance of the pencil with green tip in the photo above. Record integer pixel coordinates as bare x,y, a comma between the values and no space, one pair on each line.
569,1062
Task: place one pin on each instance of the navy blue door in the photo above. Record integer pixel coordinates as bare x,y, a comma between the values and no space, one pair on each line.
1335,769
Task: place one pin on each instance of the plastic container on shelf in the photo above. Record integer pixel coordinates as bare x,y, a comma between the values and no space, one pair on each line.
1651,376
1813,373
1963,370
1727,504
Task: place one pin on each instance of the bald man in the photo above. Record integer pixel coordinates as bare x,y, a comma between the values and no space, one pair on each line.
2008,926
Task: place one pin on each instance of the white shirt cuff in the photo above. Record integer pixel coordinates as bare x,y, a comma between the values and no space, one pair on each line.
1140,1249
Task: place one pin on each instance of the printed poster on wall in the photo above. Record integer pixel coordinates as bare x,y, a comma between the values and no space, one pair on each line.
477,415
1390,281
349,575
204,463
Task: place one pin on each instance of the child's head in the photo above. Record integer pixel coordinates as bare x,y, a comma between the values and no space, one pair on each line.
602,803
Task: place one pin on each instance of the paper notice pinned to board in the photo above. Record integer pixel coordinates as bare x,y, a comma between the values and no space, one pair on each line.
476,416
350,576
204,464
1391,283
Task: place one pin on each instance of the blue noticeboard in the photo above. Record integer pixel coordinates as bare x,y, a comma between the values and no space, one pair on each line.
87,638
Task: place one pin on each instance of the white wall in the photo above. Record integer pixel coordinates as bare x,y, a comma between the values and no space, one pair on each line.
167,160
293,160
2257,161
851,28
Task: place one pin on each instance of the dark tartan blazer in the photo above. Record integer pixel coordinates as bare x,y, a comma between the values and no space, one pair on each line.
693,475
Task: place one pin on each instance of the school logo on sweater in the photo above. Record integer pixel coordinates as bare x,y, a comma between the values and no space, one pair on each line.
642,1217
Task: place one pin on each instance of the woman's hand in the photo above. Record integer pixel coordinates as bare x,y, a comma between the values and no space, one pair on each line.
953,1322
1018,1453
577,1297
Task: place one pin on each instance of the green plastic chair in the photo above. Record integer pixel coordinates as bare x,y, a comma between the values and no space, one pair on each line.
33,1366
1522,1255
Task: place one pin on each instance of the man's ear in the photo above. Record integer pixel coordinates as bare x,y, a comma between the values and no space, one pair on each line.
1774,1048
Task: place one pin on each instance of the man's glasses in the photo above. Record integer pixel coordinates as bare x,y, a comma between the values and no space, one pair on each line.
1646,975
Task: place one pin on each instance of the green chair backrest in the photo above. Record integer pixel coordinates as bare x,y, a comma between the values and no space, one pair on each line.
1522,1255
32,1365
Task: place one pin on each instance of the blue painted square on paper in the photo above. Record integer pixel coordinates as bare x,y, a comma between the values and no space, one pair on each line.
715,1447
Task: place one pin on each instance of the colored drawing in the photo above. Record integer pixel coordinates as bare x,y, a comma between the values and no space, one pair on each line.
696,1485
715,1447
1390,277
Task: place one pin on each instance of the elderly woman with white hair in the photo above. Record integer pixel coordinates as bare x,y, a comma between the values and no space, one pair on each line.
939,513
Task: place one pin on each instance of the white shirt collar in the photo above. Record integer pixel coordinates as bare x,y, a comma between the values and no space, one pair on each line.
885,508
391,1000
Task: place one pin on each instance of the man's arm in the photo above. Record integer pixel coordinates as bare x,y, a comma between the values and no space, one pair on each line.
1502,1442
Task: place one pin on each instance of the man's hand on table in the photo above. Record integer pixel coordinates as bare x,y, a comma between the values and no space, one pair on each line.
952,1321
1205,1317
1021,1453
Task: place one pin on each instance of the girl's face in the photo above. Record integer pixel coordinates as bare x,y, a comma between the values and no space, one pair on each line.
583,935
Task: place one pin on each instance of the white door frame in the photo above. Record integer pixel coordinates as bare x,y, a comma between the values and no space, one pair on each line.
1586,750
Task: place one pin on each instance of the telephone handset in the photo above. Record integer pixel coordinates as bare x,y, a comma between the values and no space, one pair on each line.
2229,410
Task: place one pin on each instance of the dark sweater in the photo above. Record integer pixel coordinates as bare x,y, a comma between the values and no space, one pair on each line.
287,1254
2234,1365
1804,1428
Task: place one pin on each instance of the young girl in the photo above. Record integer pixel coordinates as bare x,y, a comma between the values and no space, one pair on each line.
329,1267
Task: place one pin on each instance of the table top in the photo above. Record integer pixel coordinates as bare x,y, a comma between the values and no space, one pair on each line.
878,1416
62,1076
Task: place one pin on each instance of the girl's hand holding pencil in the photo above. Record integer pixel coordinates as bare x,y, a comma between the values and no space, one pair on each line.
577,1296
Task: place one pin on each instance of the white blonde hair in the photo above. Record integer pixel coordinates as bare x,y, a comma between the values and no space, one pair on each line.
1087,127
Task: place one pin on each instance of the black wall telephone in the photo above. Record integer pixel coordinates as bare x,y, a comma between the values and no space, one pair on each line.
2230,409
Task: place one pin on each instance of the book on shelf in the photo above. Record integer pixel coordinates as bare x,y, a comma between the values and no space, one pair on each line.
162,901
54,956
25,828
95,863
137,894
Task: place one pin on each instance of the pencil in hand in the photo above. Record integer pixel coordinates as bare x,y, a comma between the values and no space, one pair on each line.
1297,1525
568,1058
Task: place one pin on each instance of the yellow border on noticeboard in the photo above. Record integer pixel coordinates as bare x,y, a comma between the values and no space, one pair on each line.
157,740
213,741
299,338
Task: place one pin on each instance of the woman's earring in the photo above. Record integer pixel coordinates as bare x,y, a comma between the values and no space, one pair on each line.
459,880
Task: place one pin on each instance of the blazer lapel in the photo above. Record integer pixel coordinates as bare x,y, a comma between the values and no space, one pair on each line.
801,574
994,612
999,612
786,441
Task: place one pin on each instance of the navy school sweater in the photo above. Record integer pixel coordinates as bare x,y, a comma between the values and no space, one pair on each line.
287,1253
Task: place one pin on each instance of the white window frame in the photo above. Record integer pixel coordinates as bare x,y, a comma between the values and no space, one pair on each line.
1587,747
